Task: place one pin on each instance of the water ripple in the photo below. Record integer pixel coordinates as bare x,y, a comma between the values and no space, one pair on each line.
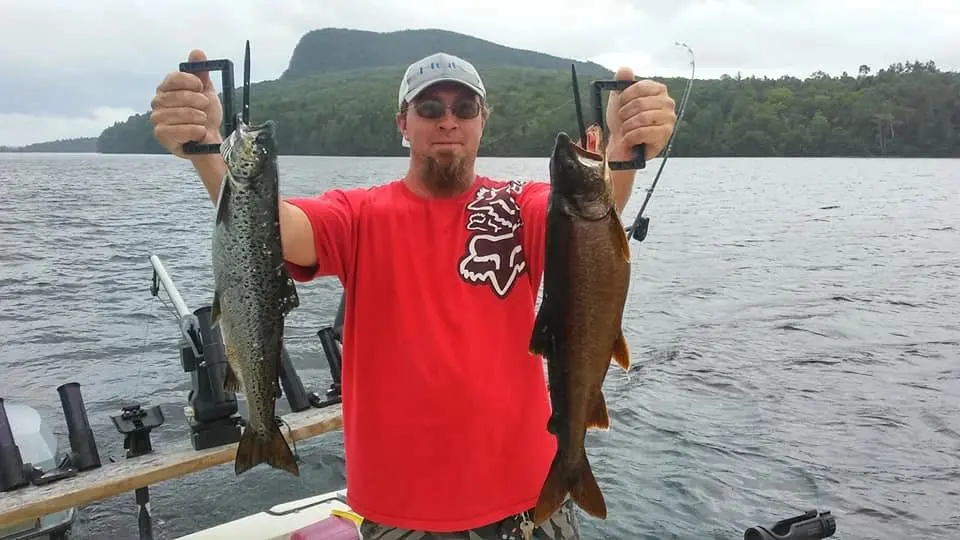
792,323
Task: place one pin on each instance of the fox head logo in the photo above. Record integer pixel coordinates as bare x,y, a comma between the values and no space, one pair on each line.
494,254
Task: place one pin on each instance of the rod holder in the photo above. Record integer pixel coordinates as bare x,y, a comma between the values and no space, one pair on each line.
135,424
331,350
210,400
13,473
292,385
214,420
84,454
811,525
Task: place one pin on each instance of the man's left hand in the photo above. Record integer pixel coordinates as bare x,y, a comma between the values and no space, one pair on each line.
644,113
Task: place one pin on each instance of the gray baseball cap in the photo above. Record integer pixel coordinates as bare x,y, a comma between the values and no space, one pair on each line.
436,68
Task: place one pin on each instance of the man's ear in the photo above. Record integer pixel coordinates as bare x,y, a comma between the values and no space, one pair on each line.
401,122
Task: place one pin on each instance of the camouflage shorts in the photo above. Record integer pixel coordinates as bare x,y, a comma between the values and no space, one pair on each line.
562,525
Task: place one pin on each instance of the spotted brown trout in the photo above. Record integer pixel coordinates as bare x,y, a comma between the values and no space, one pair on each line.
578,326
253,293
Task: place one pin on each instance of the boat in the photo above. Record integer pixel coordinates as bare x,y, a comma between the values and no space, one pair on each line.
30,512
325,516
329,517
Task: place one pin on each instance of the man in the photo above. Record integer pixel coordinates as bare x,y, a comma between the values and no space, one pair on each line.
445,410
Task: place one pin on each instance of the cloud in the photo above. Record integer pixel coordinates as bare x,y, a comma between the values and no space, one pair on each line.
18,129
69,59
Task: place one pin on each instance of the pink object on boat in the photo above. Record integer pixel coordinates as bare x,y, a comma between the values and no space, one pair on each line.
331,528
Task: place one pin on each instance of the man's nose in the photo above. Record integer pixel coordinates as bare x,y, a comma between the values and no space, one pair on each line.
448,120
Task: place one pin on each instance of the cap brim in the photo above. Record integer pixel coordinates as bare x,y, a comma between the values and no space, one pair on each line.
414,92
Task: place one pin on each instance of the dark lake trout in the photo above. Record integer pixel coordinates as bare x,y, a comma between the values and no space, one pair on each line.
578,326
253,293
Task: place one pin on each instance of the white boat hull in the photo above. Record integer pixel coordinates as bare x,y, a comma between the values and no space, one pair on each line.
279,522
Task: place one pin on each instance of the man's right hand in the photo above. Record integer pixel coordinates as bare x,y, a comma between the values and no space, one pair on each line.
186,108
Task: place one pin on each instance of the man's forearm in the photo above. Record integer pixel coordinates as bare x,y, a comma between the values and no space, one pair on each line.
211,169
622,180
296,234
622,187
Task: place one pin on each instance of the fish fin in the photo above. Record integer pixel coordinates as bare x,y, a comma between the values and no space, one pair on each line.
618,231
599,418
215,311
273,450
222,199
581,485
289,299
621,352
586,492
231,382
553,492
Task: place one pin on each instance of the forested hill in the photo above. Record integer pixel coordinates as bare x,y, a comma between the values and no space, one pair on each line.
340,49
906,109
82,145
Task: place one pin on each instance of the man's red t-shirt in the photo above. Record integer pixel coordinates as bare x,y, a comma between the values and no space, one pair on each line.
445,410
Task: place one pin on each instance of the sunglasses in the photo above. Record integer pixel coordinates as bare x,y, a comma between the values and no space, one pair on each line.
433,109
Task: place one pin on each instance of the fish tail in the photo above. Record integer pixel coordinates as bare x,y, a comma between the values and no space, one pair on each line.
272,450
579,483
586,492
554,490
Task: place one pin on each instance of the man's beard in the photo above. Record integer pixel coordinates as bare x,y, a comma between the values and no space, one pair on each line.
446,175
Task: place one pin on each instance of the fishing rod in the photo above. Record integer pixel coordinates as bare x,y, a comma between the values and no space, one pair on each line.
230,122
813,524
637,230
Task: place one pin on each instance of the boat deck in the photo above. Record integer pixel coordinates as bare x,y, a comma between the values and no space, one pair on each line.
166,462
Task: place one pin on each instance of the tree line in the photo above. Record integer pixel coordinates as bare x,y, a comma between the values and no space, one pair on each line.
909,109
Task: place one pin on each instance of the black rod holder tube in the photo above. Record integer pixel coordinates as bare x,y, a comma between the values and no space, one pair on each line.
11,463
82,442
292,385
338,319
211,401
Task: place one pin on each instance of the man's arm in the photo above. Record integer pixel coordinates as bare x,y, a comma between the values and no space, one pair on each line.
622,180
622,187
296,234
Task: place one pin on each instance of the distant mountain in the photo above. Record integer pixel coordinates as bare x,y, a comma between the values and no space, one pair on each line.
339,49
314,117
81,145
338,97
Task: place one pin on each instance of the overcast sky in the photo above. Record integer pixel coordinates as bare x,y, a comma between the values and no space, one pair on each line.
70,69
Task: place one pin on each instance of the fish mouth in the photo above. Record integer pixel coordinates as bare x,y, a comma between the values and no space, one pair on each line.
262,133
248,148
570,158
263,136
566,149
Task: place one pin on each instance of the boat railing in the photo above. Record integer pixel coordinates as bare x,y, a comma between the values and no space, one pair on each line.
212,414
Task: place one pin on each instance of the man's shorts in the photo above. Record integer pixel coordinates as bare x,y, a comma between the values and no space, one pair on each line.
562,525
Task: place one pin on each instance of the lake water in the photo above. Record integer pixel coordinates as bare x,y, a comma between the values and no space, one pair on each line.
793,325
